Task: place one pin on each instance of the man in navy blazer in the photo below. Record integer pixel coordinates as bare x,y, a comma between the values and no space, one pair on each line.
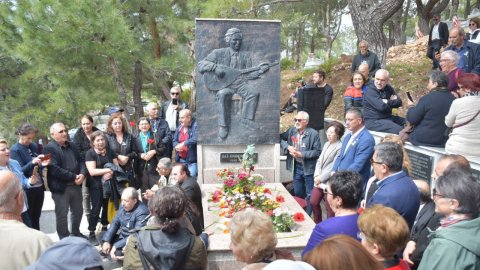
392,186
357,147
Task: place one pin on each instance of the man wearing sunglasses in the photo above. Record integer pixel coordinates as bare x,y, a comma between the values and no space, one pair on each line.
65,176
301,144
171,108
437,39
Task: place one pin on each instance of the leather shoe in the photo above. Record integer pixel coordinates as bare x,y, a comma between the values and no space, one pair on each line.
93,239
223,132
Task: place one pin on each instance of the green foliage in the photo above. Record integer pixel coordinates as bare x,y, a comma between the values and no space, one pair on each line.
286,63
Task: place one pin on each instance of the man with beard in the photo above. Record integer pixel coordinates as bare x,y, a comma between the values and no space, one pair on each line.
301,144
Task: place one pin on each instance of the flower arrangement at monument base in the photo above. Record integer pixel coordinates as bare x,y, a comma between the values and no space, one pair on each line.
241,189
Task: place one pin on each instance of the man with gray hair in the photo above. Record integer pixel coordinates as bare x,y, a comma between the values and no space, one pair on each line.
468,52
65,176
301,144
20,245
392,187
131,215
224,63
365,56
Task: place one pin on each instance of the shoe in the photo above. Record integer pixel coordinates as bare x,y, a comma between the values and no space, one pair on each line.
223,132
93,239
104,228
79,235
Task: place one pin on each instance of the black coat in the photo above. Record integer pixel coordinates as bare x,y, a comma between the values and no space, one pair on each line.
427,221
428,118
57,174
443,33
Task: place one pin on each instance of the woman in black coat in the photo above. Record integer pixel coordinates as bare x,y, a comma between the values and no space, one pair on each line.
121,142
428,115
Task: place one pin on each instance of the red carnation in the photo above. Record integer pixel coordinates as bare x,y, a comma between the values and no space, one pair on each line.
269,213
150,141
267,191
280,199
294,139
132,123
298,217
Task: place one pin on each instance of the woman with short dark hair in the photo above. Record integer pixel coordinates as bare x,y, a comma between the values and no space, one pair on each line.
25,151
95,160
343,192
456,243
323,169
148,147
427,116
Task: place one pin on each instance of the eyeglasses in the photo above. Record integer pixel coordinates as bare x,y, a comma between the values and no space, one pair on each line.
435,194
298,120
361,236
325,190
372,161
174,94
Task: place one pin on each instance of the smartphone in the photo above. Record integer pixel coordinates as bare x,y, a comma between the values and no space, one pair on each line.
46,157
175,101
409,96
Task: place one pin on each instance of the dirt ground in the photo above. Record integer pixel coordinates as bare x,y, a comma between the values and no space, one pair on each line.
408,67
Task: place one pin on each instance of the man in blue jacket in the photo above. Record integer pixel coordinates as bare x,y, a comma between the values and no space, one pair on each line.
301,144
132,215
357,146
393,187
378,102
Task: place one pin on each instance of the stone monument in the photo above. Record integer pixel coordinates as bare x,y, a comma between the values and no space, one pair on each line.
237,94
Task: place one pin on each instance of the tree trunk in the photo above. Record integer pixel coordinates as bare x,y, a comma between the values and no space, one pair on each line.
425,12
137,91
404,23
122,92
155,38
368,19
298,47
467,9
454,8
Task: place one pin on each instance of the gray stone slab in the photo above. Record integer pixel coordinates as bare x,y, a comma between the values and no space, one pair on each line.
260,44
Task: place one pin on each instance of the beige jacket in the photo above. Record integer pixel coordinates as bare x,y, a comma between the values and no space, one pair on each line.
20,245
464,140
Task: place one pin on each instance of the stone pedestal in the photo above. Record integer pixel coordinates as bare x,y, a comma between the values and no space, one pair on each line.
219,253
209,161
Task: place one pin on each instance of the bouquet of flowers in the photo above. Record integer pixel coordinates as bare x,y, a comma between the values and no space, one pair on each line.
242,189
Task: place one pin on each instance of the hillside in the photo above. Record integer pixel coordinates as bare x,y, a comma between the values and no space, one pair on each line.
407,64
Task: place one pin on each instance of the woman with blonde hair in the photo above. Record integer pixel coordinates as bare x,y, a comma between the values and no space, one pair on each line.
253,239
384,232
407,166
341,252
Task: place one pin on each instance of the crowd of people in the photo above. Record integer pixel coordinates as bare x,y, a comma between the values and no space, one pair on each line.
150,208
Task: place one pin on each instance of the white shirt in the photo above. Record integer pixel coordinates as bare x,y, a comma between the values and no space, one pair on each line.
435,33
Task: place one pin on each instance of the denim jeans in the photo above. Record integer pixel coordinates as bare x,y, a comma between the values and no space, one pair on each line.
192,167
302,185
